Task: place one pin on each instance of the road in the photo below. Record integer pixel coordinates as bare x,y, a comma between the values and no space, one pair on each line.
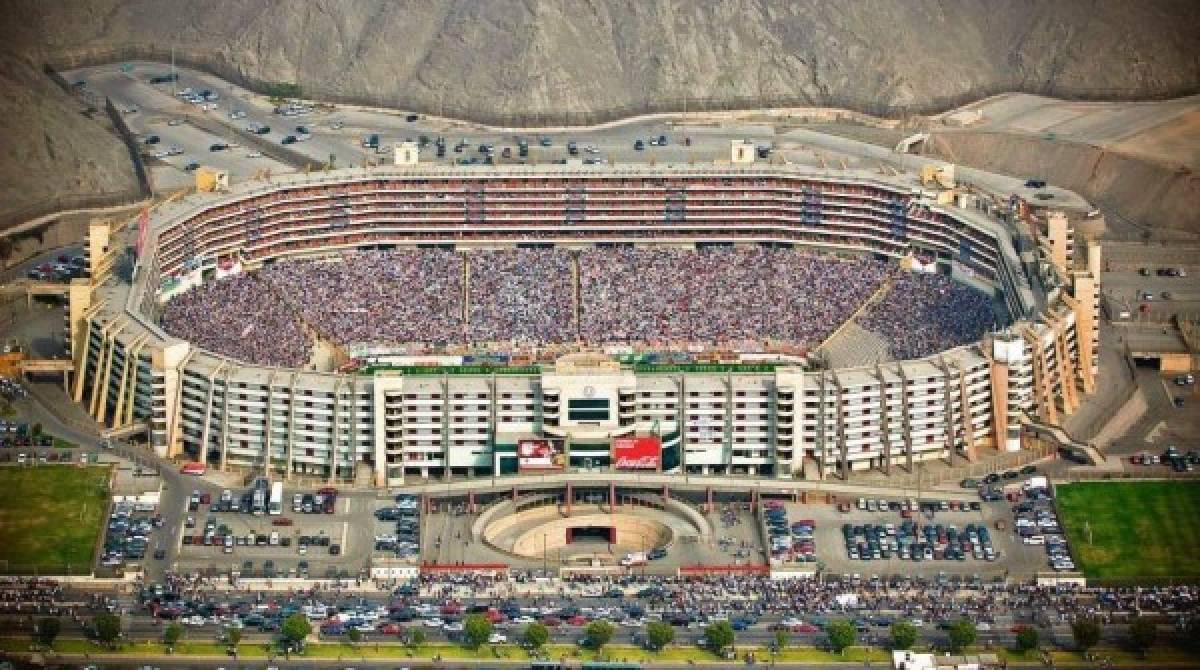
338,130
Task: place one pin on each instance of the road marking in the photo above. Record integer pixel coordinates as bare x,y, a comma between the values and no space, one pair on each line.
345,531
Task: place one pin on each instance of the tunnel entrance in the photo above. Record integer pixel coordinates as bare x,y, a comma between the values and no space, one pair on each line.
607,534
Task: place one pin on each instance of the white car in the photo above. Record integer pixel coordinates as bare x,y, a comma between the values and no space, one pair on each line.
453,626
336,125
433,623
175,122
497,638
791,622
255,154
237,114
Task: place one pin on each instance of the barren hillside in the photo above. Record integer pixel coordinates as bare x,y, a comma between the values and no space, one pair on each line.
52,156
535,62
495,60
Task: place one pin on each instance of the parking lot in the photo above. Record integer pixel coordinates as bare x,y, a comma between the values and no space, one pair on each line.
324,541
926,528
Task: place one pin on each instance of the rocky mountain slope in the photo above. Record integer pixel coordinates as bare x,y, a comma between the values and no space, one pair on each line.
538,62
531,60
52,156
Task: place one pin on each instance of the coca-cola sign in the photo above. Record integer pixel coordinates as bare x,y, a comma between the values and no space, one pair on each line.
637,453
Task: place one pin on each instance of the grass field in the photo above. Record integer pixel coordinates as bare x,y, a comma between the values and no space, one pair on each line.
50,517
1136,529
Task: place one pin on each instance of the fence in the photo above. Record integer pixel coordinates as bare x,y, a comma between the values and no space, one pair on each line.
481,108
68,202
131,144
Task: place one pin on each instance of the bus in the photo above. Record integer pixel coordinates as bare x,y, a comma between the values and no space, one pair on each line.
276,505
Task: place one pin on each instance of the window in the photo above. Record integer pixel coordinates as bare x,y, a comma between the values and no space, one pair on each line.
588,409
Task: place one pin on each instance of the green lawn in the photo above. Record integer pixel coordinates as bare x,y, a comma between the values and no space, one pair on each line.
50,517
1133,529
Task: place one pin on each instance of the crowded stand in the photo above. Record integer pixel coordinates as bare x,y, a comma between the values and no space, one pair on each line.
238,317
734,297
922,314
721,294
521,295
377,297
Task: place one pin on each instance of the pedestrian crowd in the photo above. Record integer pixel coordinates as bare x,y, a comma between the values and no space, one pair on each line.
727,297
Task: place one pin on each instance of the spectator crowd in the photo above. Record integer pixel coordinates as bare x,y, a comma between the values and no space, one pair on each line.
922,314
714,296
523,295
238,317
720,294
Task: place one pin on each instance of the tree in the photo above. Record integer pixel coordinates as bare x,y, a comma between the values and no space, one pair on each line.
719,635
598,633
1142,634
355,635
47,630
962,635
476,630
904,635
1027,638
659,634
171,634
416,637
536,635
108,627
782,639
841,634
1086,633
295,628
234,635
35,430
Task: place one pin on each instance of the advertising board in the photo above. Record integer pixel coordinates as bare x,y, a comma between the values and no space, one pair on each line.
540,455
637,453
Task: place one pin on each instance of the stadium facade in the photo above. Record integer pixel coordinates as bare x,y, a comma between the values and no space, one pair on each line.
766,418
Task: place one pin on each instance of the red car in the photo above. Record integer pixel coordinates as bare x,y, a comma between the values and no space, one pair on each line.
551,622
577,620
281,521
494,616
391,629
205,499
805,628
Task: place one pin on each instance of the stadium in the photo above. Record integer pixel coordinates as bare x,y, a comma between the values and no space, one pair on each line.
410,322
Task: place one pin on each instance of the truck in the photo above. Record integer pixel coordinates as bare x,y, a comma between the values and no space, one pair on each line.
371,141
634,558
258,502
275,507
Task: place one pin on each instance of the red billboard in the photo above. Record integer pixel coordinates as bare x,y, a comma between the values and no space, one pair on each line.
637,453
540,455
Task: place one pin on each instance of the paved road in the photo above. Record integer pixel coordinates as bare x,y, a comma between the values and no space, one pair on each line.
338,131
